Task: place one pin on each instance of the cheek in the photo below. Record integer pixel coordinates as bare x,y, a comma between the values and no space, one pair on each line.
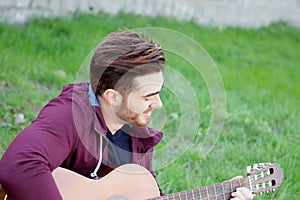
137,106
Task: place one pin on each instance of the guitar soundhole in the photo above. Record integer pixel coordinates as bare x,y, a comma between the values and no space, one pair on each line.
117,197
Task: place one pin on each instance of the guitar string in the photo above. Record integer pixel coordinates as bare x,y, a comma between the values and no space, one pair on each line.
179,194
195,195
192,197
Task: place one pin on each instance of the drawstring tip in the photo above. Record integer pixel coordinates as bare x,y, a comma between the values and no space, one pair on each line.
94,176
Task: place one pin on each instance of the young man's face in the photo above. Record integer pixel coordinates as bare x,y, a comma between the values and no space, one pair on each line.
137,106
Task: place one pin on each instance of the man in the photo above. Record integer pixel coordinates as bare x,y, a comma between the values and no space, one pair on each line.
91,128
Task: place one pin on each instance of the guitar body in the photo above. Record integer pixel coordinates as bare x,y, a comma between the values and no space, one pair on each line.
129,181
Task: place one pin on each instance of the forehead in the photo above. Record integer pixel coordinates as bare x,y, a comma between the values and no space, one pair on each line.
148,83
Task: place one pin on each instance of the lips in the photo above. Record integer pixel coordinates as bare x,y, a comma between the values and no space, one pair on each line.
148,112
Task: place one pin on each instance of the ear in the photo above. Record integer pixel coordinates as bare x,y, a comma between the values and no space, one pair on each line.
112,97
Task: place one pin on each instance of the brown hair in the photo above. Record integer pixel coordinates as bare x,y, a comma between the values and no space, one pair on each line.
124,53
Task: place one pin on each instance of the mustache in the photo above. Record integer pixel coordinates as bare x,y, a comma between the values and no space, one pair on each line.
148,110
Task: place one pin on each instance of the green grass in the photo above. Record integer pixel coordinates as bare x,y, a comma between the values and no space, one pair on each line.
260,69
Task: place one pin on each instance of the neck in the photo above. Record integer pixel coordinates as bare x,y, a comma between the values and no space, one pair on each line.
111,120
217,191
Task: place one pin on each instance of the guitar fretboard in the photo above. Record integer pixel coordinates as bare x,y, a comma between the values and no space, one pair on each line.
219,191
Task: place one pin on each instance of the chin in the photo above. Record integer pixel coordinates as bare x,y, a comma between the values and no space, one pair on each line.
143,122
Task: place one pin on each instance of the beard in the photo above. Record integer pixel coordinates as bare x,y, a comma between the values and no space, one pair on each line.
139,119
130,117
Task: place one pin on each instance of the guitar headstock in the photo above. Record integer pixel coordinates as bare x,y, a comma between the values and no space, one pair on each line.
264,177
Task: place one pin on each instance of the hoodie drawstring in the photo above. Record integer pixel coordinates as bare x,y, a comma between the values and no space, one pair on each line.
94,173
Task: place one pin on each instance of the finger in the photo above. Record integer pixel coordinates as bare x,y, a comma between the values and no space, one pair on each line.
238,195
245,192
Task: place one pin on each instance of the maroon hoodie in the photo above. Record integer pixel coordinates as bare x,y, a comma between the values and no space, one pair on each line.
66,133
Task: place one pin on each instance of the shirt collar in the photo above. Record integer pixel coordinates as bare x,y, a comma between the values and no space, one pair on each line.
92,97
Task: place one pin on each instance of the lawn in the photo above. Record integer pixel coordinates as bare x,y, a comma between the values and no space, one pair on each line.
257,69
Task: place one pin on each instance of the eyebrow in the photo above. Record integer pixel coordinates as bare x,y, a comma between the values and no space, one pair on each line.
154,93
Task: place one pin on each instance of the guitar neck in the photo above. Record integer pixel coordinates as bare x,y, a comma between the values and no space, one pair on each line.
217,191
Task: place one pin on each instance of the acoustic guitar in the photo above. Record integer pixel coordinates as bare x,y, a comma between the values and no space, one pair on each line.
133,182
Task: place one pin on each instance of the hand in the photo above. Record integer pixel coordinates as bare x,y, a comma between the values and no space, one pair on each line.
241,193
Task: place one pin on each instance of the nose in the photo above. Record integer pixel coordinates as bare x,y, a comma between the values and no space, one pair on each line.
157,103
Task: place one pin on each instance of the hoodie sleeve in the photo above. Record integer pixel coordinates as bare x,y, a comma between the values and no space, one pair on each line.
26,166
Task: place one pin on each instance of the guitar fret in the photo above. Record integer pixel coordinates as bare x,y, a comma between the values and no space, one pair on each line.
169,196
203,193
189,194
199,190
215,191
219,191
207,192
179,196
211,192
193,193
223,191
227,189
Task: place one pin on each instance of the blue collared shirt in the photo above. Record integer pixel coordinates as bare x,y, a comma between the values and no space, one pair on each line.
92,97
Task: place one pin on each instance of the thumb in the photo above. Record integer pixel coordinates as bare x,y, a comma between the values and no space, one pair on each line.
237,177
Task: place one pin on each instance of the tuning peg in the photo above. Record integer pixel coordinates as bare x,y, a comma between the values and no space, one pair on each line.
249,169
262,165
255,166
